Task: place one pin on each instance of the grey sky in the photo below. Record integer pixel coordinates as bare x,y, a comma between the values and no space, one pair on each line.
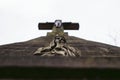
99,19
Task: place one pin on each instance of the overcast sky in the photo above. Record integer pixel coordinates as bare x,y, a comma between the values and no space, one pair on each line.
99,19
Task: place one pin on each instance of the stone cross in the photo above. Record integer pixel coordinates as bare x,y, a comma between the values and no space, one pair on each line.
58,27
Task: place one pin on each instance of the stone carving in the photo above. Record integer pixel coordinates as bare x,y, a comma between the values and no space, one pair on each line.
58,47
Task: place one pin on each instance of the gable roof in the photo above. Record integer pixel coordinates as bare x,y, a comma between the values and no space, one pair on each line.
17,61
88,48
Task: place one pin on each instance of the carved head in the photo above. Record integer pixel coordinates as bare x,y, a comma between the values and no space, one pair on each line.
58,23
59,39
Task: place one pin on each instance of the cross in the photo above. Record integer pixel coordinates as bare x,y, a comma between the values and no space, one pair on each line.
58,27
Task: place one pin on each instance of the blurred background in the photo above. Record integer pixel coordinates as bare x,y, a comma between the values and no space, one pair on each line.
99,19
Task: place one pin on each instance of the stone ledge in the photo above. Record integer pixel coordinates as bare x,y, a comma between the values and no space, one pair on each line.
60,62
